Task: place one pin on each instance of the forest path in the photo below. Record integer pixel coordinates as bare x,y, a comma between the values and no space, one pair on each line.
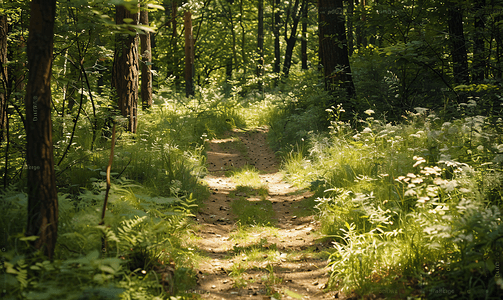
279,261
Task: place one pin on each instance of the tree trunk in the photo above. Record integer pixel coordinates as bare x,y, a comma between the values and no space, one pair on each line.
457,43
276,27
303,44
4,83
333,47
146,67
479,61
189,55
125,70
42,194
290,42
260,39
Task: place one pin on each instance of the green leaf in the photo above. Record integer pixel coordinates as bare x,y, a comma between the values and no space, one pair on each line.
29,238
128,20
107,269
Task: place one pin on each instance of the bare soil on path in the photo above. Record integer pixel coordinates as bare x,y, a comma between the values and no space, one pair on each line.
280,261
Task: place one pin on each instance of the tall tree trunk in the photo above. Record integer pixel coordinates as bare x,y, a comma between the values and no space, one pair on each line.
303,43
125,70
479,60
146,67
189,55
290,42
4,82
457,43
333,47
276,28
260,40
42,194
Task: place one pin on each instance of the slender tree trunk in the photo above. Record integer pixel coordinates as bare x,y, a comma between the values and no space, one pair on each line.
42,194
290,42
125,71
479,60
458,45
260,40
276,28
303,43
4,82
333,47
189,55
146,67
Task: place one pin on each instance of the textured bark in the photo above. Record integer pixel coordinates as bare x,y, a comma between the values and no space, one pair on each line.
42,194
3,76
146,67
125,70
333,47
189,55
457,44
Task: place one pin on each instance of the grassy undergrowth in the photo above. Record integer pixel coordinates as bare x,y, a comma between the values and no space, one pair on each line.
413,208
156,187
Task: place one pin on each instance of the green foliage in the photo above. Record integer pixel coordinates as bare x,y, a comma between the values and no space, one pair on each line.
300,111
411,208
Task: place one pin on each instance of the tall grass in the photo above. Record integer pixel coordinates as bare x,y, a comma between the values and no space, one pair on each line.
412,208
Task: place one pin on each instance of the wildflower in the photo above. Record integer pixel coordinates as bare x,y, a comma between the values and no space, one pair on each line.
417,180
367,130
419,160
432,171
400,178
369,112
423,199
410,193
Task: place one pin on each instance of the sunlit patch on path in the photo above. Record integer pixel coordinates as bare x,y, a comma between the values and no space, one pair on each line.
280,259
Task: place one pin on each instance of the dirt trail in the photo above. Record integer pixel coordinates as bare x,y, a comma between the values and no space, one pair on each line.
289,257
